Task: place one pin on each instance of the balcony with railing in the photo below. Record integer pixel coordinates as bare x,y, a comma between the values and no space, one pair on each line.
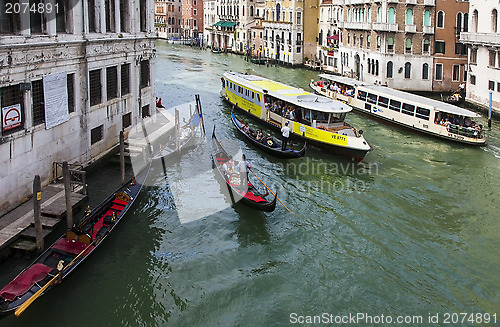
428,29
357,26
411,2
385,27
356,2
430,3
411,28
486,39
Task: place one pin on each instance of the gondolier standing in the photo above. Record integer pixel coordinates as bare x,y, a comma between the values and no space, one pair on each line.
243,167
285,132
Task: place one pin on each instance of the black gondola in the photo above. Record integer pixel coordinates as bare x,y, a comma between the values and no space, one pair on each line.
71,249
270,145
456,97
252,197
186,141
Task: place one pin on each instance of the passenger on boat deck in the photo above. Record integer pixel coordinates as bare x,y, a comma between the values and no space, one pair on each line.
269,140
467,122
292,114
259,135
246,129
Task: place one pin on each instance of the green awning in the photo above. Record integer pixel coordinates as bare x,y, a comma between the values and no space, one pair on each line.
225,24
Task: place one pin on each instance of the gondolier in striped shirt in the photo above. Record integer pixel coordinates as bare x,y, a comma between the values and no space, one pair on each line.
285,132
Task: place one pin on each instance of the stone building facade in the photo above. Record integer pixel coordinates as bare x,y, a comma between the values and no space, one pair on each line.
388,41
450,55
483,40
284,31
168,19
69,83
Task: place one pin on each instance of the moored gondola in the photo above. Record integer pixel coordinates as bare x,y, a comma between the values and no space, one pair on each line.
185,142
249,195
70,250
268,143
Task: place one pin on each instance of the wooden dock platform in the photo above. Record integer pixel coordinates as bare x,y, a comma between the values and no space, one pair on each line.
15,225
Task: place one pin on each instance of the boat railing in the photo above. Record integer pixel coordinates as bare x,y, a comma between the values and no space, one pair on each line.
470,132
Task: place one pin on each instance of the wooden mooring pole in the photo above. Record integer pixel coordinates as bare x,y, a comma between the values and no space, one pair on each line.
122,157
37,209
67,193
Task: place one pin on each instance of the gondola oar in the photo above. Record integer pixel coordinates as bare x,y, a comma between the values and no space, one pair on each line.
35,296
270,190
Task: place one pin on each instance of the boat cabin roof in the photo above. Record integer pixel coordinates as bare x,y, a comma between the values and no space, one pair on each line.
290,94
403,96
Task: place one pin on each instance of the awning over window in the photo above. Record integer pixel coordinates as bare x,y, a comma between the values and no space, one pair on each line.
225,24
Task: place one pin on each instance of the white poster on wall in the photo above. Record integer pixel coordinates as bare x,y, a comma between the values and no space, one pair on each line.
56,99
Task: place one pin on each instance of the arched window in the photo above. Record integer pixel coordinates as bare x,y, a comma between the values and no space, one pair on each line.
426,48
494,20
389,69
369,67
407,70
379,14
349,18
378,42
368,41
425,71
440,19
376,68
408,45
390,44
243,11
427,18
369,18
278,10
466,22
391,15
459,22
251,11
474,21
409,17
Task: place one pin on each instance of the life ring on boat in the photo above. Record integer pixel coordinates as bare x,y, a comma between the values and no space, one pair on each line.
322,128
270,143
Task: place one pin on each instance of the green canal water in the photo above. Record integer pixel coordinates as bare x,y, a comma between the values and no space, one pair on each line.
411,232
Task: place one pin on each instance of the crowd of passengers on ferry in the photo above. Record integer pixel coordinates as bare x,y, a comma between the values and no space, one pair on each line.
344,90
453,123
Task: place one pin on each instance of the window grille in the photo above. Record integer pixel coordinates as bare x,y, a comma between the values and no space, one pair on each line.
38,102
95,87
125,79
112,82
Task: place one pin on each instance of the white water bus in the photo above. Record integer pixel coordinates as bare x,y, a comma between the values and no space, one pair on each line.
406,109
314,118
